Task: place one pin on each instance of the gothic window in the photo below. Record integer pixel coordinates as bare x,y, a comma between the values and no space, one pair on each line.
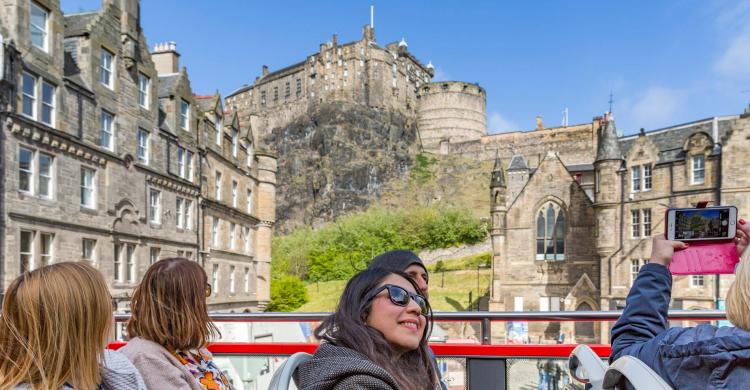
550,233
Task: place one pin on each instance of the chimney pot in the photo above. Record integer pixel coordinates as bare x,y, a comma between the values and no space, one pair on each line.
166,58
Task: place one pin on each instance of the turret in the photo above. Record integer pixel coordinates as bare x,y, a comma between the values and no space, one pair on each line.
498,190
607,163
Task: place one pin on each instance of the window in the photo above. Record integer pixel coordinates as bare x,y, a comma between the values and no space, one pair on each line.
299,87
144,85
250,154
249,201
35,173
45,248
635,175
697,281
287,90
180,162
153,255
219,127
143,146
25,170
39,26
550,233
231,279
88,188
636,223
263,98
646,222
234,143
29,95
105,69
26,251
232,236
647,177
48,103
45,176
234,193
275,94
246,236
549,303
130,262
635,267
518,304
88,250
246,280
189,165
184,115
217,195
698,169
188,214
154,206
215,233
215,280
118,263
180,212
107,131
189,255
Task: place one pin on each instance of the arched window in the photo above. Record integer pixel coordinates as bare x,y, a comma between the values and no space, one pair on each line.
550,233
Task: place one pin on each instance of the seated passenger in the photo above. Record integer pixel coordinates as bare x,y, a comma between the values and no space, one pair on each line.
376,339
55,323
170,328
409,263
703,357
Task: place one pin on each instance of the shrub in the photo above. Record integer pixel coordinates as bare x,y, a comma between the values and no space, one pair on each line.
287,294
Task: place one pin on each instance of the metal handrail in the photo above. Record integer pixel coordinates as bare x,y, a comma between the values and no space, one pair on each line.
466,316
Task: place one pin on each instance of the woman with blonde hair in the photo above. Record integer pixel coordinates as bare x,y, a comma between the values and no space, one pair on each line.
170,328
55,324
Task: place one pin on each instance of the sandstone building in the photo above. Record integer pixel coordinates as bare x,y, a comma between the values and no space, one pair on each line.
107,156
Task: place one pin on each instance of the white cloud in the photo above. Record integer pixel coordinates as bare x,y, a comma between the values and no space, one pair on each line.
735,61
657,106
499,124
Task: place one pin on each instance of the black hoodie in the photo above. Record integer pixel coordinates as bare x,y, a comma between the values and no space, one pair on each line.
340,368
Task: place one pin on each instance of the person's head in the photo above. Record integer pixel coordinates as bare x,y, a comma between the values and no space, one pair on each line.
169,305
379,315
54,326
738,297
404,261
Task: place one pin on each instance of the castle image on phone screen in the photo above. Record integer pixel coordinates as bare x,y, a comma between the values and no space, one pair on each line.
707,223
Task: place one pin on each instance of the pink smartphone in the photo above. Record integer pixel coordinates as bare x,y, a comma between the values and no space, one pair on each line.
710,232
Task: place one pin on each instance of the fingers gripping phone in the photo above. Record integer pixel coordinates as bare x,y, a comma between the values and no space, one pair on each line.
710,232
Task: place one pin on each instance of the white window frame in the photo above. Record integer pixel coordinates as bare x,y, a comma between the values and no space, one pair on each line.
154,206
635,268
131,265
231,279
694,180
215,232
217,182
47,105
215,280
153,254
49,177
188,214
88,245
697,281
247,279
29,94
31,176
247,239
635,223
232,235
647,177
235,143
234,193
181,162
117,263
88,189
249,201
219,126
180,212
35,175
646,220
44,30
144,145
189,165
184,119
46,254
144,88
26,256
107,128
106,68
635,178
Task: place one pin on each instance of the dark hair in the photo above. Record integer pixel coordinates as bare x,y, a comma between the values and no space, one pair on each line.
169,306
396,260
346,328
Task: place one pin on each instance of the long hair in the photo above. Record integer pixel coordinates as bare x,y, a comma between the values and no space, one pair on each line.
738,297
346,327
54,326
169,306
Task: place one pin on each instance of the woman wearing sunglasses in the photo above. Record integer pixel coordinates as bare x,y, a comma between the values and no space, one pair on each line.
170,328
376,339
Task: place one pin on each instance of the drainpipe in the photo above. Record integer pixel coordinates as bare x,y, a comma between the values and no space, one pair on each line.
718,151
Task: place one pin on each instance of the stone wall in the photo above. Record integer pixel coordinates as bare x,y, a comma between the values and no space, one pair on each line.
451,112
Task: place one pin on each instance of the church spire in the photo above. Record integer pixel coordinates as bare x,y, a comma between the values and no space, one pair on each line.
498,179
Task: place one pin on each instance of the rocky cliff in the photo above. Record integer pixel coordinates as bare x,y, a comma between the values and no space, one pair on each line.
336,158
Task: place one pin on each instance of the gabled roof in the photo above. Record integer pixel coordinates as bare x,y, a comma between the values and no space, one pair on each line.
167,84
80,23
517,163
206,103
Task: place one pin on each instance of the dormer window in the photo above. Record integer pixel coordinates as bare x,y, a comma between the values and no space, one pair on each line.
698,169
235,146
640,178
39,27
184,115
219,125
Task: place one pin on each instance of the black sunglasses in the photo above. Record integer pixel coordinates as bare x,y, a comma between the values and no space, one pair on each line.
399,297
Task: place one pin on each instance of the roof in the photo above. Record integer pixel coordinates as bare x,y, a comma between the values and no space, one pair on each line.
167,84
517,163
580,167
608,147
205,102
669,141
79,24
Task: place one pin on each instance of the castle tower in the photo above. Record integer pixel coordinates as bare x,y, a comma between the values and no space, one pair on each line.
498,212
451,111
609,171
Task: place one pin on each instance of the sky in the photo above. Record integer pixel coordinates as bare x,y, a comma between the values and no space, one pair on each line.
663,62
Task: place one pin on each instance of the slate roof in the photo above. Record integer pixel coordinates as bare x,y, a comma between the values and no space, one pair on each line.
517,163
608,147
78,24
167,84
205,103
669,141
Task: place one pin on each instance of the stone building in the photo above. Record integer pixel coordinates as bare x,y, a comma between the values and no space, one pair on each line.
572,236
102,151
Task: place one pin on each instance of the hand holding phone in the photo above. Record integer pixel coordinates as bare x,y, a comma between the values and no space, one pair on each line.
710,232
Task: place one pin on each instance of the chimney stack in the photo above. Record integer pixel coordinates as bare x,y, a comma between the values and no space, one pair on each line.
539,124
166,58
265,70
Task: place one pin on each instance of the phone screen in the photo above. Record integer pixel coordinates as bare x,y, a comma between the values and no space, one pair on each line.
701,223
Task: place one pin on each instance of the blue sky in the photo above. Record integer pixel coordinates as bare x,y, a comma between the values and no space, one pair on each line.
665,62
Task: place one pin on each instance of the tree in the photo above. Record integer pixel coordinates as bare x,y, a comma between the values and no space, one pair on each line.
287,294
